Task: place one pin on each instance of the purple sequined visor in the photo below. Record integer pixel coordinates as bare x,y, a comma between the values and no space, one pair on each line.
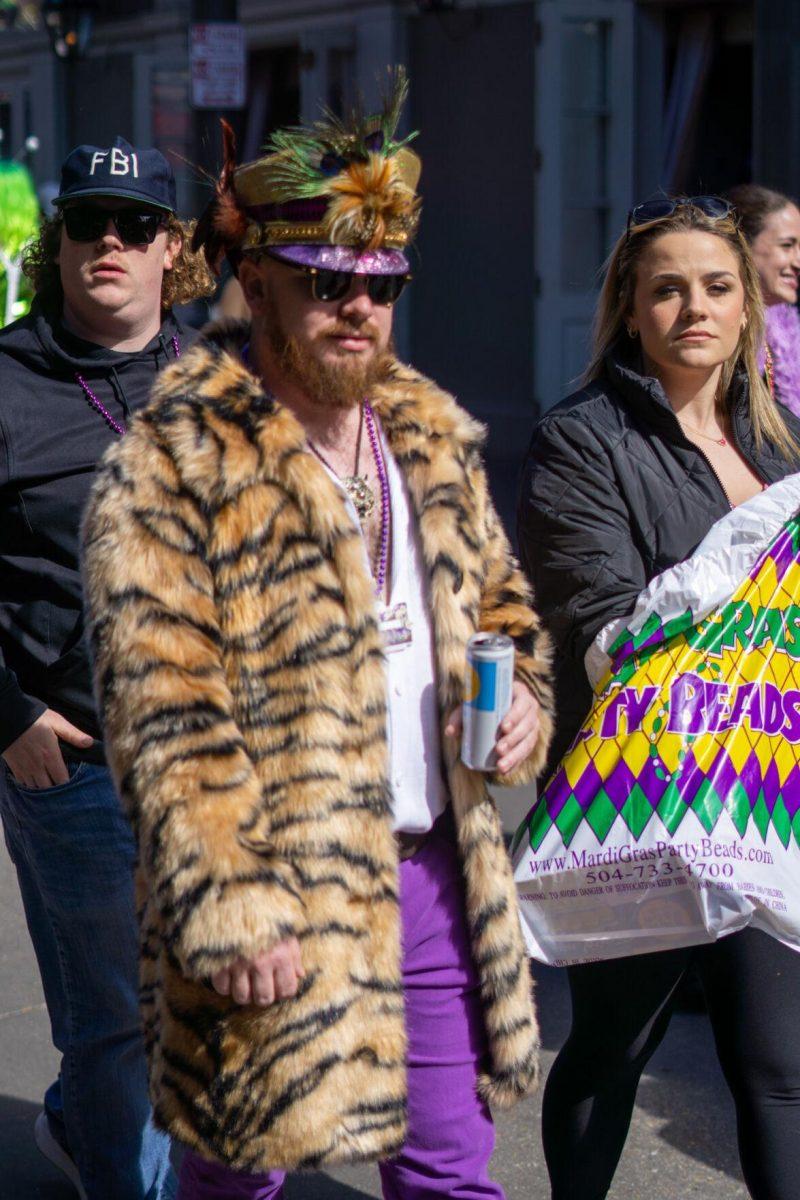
343,258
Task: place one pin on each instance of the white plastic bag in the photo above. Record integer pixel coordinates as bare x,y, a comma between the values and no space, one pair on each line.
674,819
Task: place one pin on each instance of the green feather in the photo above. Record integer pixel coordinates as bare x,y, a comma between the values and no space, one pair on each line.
393,104
297,174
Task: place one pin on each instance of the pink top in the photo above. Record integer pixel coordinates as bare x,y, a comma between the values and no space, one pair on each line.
783,339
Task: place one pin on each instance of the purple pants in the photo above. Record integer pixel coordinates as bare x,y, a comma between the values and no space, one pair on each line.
450,1132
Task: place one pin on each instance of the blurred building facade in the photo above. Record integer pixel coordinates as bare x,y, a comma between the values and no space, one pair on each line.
541,123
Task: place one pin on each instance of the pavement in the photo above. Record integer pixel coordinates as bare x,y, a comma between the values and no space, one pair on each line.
682,1141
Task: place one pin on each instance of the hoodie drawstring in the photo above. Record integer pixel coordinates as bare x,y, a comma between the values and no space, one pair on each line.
120,392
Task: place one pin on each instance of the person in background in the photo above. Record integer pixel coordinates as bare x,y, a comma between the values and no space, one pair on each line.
106,270
673,427
771,223
285,561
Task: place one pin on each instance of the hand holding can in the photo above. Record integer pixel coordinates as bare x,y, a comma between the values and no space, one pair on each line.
487,697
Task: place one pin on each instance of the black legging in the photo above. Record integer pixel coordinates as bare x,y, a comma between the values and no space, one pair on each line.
620,1013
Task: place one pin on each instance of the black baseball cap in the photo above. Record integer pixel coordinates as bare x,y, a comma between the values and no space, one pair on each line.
118,170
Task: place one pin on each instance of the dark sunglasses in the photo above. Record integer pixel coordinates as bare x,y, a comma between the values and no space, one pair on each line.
714,207
329,286
134,226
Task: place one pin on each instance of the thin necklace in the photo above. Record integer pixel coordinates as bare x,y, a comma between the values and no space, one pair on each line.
355,485
381,566
359,490
99,407
720,441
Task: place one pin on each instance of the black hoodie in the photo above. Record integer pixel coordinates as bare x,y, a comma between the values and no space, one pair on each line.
51,439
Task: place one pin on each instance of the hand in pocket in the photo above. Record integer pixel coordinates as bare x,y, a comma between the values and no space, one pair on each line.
35,759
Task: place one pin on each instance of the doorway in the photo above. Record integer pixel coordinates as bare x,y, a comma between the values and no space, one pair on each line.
472,299
273,97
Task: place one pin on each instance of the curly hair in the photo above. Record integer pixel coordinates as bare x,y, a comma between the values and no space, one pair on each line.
189,278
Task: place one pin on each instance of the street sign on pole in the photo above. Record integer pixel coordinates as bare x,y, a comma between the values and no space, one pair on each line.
218,65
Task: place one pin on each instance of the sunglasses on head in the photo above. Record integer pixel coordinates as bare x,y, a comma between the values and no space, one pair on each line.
330,286
714,207
134,226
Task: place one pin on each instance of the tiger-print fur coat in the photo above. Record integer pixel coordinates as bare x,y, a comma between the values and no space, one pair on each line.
240,679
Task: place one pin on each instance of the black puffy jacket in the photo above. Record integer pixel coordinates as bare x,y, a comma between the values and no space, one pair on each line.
613,494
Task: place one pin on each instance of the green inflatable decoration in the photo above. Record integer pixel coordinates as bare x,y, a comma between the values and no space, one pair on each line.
19,225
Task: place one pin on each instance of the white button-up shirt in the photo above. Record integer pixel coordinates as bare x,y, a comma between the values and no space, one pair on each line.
415,762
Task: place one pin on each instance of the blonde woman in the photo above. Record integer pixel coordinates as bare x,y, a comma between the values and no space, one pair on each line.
673,427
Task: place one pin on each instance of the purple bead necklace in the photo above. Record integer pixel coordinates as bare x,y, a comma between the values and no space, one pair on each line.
383,480
97,404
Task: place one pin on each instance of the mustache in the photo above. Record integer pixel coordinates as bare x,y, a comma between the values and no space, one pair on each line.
348,329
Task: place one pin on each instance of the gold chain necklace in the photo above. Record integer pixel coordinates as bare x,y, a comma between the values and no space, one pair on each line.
356,486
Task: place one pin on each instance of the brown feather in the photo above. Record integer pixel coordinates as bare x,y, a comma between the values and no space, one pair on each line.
223,224
363,198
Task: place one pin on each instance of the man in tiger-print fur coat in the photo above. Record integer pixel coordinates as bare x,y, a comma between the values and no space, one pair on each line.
284,560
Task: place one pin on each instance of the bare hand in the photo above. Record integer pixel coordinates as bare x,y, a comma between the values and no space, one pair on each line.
519,729
35,758
273,975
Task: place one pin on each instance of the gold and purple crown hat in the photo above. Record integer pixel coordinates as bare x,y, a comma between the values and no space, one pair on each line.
339,195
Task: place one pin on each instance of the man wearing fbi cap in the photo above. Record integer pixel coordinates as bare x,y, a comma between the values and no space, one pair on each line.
106,271
285,561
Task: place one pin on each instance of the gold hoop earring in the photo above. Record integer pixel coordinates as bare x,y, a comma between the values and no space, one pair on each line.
632,333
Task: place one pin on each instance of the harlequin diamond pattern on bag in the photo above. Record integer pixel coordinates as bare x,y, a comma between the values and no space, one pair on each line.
696,718
674,818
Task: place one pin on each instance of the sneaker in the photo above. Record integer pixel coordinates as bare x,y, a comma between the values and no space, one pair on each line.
57,1154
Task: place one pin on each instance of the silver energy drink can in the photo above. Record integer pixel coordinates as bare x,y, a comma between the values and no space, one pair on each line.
487,697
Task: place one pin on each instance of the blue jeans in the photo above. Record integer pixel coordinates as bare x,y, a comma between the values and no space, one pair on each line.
74,852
